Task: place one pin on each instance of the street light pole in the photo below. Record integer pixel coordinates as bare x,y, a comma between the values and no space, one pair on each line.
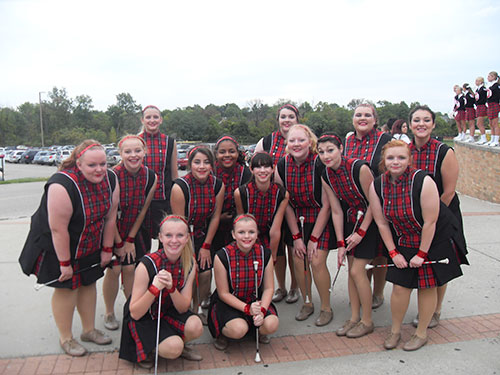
41,117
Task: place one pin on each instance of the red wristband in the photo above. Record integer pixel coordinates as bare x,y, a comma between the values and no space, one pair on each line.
247,309
340,243
65,263
119,245
154,290
171,290
130,239
296,236
422,254
361,232
205,246
106,249
313,239
393,253
263,311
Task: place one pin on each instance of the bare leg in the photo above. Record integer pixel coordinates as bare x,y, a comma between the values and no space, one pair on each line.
480,125
363,289
472,128
193,328
441,291
322,278
128,279
400,298
293,278
171,347
270,325
353,293
63,308
110,286
205,280
379,277
235,328
86,302
301,281
280,271
427,300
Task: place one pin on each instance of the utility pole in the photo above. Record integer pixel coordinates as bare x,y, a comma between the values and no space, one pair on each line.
41,117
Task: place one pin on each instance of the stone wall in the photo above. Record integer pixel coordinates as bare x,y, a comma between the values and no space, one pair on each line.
479,175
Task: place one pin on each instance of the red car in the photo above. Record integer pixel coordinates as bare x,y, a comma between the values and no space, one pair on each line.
182,159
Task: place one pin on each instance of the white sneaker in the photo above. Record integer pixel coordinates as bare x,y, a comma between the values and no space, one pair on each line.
494,144
488,143
481,142
469,139
457,138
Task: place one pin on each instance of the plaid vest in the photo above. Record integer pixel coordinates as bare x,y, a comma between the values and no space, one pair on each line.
430,158
158,159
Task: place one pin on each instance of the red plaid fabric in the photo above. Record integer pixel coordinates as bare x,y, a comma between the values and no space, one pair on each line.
300,183
132,197
232,180
470,114
398,208
201,202
161,262
460,115
426,278
344,185
156,159
263,206
493,110
426,157
481,110
364,148
242,273
141,356
96,202
278,146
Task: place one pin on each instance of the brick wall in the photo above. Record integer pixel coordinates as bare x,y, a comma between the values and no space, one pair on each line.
479,175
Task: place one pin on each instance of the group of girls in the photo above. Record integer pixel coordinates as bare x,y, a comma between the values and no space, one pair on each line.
479,104
302,193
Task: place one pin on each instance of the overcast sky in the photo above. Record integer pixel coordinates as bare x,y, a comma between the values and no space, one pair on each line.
176,54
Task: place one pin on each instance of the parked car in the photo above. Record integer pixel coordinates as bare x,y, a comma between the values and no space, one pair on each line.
182,159
39,156
16,156
113,157
61,155
27,157
48,159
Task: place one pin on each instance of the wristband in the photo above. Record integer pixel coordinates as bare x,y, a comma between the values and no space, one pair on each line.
340,243
263,311
65,263
106,249
296,236
205,246
119,245
171,290
247,309
313,239
154,290
393,253
361,232
130,239
422,254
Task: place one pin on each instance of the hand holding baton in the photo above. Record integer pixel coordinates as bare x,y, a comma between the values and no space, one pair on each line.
40,286
442,261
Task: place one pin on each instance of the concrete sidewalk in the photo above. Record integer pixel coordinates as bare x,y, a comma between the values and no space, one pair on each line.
471,313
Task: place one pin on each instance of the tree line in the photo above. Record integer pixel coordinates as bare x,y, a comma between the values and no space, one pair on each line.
69,120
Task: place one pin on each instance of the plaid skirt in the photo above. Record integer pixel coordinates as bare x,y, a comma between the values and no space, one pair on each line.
368,247
470,114
493,109
327,240
429,275
460,116
481,110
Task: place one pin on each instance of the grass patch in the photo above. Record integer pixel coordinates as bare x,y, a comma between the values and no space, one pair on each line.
27,179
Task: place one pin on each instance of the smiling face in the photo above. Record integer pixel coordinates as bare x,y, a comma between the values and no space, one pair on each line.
245,233
330,154
93,165
298,143
262,174
286,119
227,154
174,236
363,120
151,119
132,151
200,166
404,128
421,124
396,160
